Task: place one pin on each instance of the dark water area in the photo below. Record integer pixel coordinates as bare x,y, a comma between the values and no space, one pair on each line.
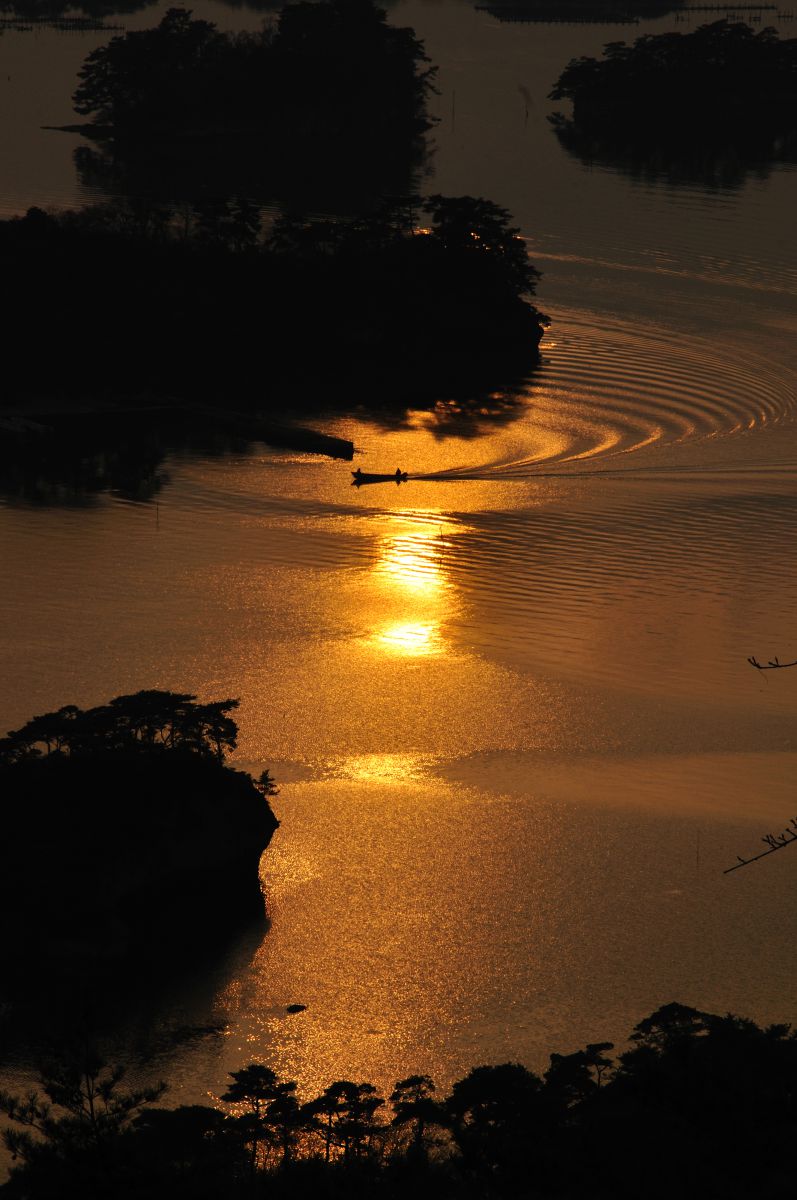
507,702
343,179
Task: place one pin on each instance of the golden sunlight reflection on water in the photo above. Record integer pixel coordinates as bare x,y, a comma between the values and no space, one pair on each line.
395,769
413,560
411,579
501,704
430,924
507,702
386,974
411,638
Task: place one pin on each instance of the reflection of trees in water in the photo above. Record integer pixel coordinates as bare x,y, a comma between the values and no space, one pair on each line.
684,165
59,467
342,176
469,412
81,457
473,416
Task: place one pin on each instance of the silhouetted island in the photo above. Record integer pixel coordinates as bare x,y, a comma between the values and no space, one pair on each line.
697,1107
69,15
712,104
579,12
331,100
127,843
410,304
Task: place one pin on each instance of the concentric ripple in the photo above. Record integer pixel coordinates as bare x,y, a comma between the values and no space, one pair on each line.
611,388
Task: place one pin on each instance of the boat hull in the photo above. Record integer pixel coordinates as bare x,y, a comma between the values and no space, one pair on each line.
369,477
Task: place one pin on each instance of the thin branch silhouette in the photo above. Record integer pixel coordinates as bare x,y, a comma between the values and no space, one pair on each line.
772,665
775,841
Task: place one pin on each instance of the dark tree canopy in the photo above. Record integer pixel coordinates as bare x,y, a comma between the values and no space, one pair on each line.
146,721
326,69
469,226
345,1118
324,108
722,95
154,77
334,60
415,1109
128,841
700,1106
378,306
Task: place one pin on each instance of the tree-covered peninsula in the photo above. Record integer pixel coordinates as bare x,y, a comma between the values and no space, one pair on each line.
711,104
414,302
128,842
697,1106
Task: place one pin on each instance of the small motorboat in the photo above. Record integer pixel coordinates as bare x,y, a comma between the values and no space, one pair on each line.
361,477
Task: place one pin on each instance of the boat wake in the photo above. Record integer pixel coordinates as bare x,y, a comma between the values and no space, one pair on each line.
610,390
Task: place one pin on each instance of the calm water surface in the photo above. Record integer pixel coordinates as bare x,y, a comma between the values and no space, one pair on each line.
507,703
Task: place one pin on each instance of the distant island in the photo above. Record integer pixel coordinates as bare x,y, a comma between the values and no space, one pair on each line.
128,843
579,12
328,102
327,68
66,16
712,104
